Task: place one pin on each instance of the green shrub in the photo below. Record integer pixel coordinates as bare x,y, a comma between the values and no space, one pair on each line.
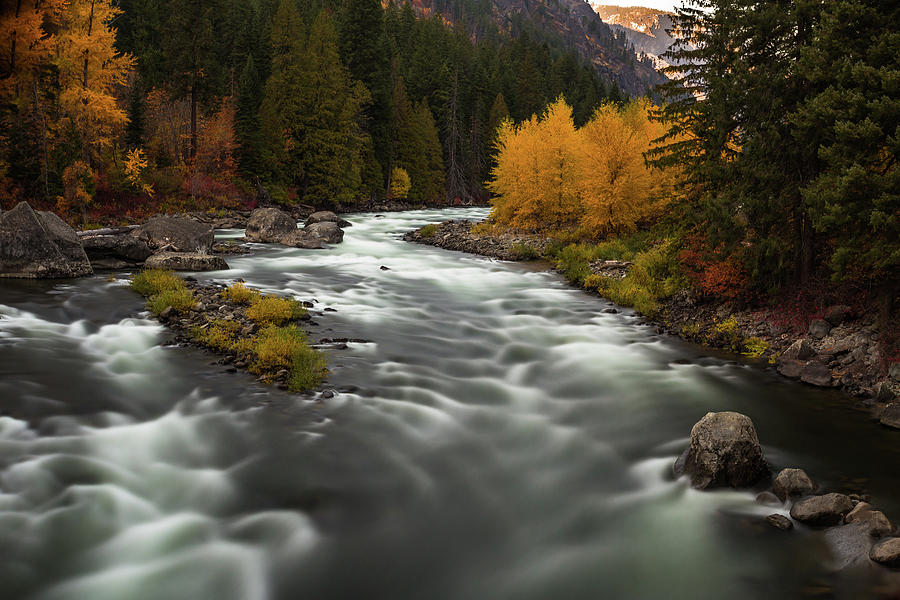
240,293
268,310
308,369
429,230
524,251
153,281
755,347
181,300
573,261
221,335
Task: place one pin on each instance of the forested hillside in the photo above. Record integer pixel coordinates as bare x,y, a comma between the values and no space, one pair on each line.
110,108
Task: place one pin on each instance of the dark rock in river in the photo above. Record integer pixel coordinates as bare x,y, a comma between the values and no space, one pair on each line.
890,416
176,234
791,368
186,261
876,522
815,373
822,510
780,522
792,482
106,249
724,451
300,238
327,231
849,545
887,552
768,499
39,245
326,216
269,225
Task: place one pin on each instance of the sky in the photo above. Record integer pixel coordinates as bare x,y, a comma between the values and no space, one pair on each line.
659,4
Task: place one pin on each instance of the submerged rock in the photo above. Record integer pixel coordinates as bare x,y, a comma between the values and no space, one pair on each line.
39,245
828,509
186,261
269,225
176,234
792,482
724,451
890,416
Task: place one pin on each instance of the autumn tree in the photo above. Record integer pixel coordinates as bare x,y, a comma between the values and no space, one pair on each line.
26,44
90,68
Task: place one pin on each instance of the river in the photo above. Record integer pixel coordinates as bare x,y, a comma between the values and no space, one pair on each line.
496,437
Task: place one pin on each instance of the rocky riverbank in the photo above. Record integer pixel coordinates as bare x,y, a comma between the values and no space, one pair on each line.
836,349
724,451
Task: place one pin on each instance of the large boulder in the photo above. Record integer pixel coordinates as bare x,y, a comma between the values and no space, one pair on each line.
300,238
269,225
724,451
326,216
792,482
176,234
186,261
815,373
890,416
115,249
835,315
822,510
819,328
799,350
39,245
327,231
887,552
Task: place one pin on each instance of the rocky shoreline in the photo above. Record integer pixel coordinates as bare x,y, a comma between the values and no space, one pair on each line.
724,451
838,349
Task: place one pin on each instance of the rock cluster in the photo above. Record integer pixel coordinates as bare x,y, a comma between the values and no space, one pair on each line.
724,451
458,235
37,244
271,225
166,242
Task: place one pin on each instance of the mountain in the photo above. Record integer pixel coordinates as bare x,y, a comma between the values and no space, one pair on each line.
561,24
646,29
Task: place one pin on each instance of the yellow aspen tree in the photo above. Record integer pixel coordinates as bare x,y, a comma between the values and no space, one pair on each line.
90,68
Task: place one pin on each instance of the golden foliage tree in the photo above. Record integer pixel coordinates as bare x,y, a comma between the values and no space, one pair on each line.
79,189
25,44
217,144
90,68
536,179
550,176
400,184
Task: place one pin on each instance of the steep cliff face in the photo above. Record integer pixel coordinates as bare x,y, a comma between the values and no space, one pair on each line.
570,24
646,29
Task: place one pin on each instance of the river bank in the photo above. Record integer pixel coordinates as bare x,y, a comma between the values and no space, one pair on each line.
837,348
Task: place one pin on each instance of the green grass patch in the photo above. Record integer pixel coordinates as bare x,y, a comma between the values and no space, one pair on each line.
429,230
153,281
268,310
180,300
524,251
755,347
240,293
220,335
286,348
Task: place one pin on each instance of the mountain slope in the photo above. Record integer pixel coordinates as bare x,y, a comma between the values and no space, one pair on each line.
561,24
646,29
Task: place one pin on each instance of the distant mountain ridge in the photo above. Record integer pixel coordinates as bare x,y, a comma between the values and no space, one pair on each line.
647,29
569,24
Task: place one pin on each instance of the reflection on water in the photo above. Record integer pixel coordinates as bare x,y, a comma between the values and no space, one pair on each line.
497,438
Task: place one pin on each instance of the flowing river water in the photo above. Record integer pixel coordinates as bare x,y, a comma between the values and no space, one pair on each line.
498,437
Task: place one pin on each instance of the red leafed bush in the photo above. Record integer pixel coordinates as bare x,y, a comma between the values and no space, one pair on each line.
714,273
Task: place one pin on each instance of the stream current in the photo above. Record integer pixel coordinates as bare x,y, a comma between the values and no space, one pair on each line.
498,437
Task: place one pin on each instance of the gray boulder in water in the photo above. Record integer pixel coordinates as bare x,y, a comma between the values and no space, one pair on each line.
300,238
724,452
269,225
327,231
176,234
39,245
186,261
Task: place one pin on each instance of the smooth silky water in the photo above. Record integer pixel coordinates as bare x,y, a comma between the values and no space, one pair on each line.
497,437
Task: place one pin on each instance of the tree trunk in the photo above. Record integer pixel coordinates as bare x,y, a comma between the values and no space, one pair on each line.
193,155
